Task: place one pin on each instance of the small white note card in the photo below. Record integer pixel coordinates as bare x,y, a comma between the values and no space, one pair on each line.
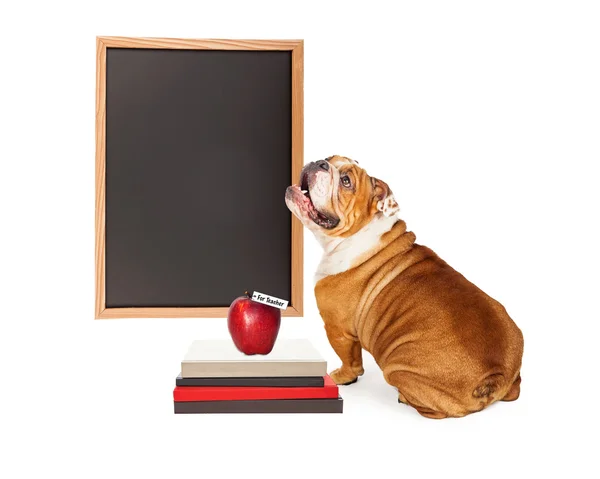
269,300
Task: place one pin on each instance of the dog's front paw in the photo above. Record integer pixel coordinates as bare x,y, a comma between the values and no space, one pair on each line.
345,376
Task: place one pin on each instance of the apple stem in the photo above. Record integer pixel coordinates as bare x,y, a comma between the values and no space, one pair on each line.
247,294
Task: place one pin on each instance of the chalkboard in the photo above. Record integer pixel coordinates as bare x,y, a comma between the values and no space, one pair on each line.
197,141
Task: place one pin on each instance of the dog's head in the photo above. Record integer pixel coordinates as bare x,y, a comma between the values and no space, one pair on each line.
336,197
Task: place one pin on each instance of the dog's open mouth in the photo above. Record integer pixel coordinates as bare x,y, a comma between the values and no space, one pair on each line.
305,203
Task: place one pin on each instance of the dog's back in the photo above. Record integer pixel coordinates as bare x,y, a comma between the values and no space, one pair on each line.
447,346
461,351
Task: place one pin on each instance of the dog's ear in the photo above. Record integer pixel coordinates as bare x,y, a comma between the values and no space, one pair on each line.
386,203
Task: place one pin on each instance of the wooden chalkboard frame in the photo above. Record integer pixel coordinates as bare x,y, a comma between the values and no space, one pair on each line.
296,47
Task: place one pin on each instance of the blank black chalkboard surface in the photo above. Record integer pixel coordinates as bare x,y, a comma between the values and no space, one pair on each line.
196,142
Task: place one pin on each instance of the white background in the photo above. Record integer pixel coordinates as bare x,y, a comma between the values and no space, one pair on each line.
484,118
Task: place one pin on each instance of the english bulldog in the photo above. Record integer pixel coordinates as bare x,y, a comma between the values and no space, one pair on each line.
448,347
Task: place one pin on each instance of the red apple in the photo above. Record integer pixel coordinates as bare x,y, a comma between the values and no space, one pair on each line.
253,326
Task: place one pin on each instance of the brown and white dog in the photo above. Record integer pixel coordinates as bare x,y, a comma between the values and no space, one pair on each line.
447,346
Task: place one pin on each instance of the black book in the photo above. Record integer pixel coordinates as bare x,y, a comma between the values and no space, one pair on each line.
261,406
282,382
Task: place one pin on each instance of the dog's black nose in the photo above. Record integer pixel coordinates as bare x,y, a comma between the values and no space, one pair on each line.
323,164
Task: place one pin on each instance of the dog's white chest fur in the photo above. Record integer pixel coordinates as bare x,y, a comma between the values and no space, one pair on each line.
341,254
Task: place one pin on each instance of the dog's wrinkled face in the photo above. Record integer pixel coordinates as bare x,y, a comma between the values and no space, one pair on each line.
337,198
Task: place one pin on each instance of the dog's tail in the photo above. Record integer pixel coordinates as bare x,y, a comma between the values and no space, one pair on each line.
489,387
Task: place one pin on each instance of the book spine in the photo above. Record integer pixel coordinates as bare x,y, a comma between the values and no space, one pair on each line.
266,406
280,382
251,393
248,369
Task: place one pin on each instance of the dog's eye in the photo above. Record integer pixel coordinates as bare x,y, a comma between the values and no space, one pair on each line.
346,181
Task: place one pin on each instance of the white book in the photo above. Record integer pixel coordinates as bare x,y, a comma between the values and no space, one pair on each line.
220,358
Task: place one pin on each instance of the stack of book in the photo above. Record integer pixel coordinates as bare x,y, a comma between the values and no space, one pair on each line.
217,378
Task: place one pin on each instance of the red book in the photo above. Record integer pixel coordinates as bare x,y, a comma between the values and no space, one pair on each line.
212,393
